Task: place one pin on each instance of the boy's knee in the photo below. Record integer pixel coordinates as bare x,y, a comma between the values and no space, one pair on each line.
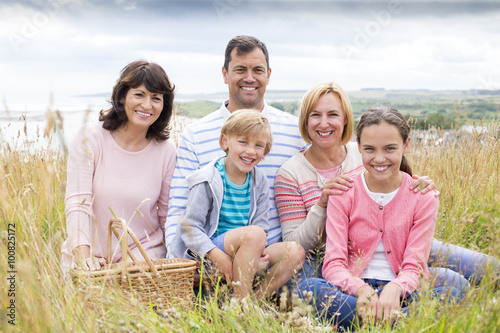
300,253
254,235
295,253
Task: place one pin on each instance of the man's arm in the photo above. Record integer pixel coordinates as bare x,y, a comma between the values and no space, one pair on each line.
286,142
187,162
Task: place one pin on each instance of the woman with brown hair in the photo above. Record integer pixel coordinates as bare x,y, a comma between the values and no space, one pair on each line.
125,162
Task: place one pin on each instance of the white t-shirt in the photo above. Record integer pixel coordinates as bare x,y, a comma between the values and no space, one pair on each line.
379,267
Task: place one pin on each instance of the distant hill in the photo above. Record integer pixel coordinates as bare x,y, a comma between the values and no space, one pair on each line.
271,95
459,106
196,109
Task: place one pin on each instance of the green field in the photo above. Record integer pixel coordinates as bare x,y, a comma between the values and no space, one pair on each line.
441,109
196,109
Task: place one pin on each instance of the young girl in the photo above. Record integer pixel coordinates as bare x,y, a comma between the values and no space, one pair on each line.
379,234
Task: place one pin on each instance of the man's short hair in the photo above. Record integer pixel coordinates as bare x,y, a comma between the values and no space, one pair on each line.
244,45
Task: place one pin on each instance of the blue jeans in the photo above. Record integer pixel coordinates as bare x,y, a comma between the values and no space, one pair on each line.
312,268
474,266
219,241
330,302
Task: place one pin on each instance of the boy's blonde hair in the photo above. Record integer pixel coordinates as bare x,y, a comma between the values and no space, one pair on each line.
248,123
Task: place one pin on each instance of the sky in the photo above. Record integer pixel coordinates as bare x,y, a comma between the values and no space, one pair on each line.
70,48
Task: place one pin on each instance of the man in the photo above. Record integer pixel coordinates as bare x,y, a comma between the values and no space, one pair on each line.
246,71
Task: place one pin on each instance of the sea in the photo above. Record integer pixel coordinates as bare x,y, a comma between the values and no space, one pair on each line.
51,124
46,124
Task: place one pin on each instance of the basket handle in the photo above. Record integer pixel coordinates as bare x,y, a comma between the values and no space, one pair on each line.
120,223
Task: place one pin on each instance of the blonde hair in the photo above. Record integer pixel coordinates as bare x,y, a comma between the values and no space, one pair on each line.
309,102
248,123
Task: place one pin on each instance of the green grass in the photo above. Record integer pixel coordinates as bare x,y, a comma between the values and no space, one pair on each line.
196,109
444,109
32,197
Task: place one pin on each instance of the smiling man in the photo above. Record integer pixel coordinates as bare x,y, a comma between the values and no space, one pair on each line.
246,72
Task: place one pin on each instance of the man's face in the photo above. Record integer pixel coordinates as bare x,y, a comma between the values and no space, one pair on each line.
247,77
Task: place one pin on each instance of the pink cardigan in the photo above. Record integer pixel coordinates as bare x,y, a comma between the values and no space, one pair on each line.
355,224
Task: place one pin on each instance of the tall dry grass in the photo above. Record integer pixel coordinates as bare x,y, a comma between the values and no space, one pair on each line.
466,169
32,183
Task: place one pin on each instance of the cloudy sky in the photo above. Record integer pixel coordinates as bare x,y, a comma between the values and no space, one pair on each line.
78,47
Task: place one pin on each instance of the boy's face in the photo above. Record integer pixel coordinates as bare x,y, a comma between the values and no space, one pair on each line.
243,153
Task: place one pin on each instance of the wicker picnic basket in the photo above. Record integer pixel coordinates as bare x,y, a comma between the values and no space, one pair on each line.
164,280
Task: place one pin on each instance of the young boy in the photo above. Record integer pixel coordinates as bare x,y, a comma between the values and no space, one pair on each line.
226,217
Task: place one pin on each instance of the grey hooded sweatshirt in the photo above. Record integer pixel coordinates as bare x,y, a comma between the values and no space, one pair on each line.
206,191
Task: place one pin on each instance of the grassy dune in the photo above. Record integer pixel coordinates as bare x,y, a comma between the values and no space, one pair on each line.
32,228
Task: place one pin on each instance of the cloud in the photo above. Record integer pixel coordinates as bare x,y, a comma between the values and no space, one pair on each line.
77,47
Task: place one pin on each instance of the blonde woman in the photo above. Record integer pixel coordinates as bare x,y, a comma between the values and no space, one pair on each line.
326,167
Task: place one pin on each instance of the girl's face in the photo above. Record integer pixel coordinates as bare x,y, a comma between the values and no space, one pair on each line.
326,121
382,149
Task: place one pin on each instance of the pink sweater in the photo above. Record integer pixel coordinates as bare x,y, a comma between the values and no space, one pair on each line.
355,224
102,174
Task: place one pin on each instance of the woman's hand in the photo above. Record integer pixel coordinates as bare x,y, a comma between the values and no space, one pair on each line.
366,303
424,184
335,185
222,262
84,261
389,303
